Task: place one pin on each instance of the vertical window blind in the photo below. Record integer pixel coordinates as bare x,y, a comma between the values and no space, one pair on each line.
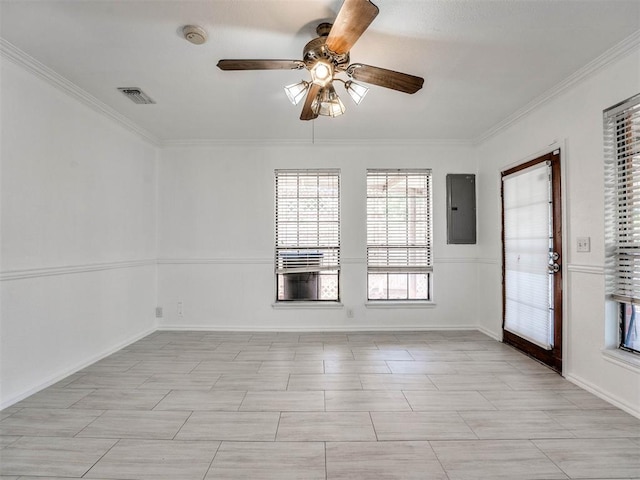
399,231
307,221
622,180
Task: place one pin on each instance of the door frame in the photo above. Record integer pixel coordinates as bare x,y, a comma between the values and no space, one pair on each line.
552,358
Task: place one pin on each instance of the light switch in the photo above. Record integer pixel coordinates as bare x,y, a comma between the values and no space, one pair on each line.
583,244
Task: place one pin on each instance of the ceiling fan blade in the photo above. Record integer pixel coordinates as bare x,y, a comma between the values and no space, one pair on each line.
403,82
353,19
233,64
307,112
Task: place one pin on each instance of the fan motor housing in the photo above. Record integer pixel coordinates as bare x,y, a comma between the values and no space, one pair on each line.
317,49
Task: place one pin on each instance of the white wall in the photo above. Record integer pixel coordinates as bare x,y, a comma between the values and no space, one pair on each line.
78,234
78,264
216,238
572,121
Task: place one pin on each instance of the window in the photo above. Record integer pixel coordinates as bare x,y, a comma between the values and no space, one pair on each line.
307,257
622,177
399,263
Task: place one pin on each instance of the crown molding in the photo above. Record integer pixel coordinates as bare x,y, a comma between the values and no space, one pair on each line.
376,142
14,54
608,57
206,143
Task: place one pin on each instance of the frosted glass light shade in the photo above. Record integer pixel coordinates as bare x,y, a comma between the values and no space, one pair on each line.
356,91
296,91
328,103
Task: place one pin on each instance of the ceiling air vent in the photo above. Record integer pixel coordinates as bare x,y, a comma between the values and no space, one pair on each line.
136,95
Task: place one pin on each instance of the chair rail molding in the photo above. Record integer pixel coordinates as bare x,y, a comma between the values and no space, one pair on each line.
20,274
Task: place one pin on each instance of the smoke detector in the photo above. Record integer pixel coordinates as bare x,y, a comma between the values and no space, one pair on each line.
194,34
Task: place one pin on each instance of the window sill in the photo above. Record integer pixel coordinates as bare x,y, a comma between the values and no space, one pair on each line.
307,304
621,358
400,304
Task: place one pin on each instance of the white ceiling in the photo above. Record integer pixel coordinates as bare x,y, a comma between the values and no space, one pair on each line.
481,60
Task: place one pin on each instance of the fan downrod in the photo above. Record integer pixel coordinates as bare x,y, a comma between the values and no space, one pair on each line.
323,29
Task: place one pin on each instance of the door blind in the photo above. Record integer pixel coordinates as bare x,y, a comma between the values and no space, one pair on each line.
399,221
307,221
622,169
527,241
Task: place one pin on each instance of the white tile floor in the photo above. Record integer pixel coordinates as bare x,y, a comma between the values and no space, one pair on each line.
419,405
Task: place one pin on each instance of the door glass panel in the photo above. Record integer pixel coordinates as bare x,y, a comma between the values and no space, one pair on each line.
527,242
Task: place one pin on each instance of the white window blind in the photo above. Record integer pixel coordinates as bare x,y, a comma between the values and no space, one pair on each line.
527,233
307,221
622,177
399,221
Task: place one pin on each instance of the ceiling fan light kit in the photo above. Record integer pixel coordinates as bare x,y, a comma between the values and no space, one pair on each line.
356,91
328,103
327,56
297,91
321,73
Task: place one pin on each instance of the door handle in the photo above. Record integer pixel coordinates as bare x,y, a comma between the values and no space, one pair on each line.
554,268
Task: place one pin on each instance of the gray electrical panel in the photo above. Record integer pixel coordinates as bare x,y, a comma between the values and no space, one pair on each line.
461,208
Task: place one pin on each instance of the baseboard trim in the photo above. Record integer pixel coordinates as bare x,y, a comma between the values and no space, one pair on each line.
76,368
607,397
490,333
303,329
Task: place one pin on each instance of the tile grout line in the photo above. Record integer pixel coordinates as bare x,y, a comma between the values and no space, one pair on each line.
373,426
242,401
435,454
326,471
275,436
211,462
153,409
407,400
193,369
467,424
182,426
532,442
118,440
88,424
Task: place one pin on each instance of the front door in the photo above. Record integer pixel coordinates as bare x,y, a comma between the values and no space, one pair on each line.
532,259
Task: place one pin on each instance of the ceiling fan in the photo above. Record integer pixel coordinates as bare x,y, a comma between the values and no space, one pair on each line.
327,56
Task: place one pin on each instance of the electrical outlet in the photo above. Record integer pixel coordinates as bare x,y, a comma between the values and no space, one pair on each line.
179,309
583,244
349,312
158,312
